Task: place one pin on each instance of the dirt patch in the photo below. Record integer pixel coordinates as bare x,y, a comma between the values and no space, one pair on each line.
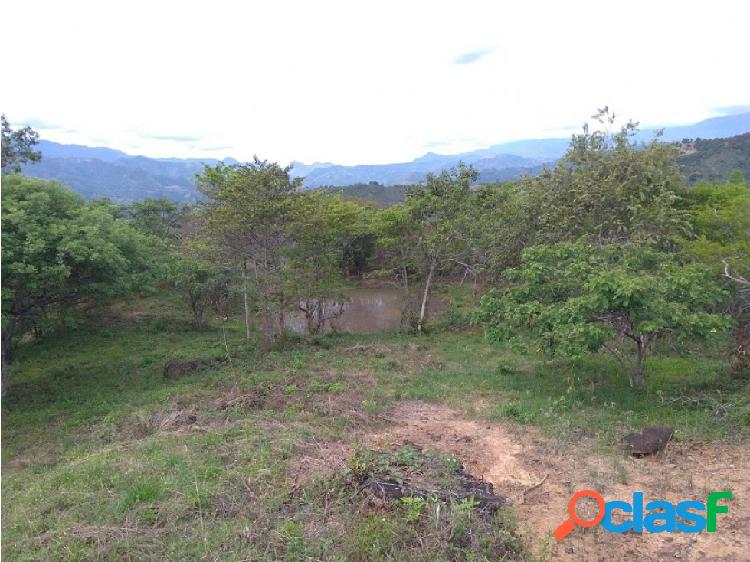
143,424
105,539
252,399
410,473
318,461
488,451
176,367
368,349
541,478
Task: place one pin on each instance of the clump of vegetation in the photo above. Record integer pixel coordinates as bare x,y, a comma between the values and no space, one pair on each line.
456,515
60,251
580,298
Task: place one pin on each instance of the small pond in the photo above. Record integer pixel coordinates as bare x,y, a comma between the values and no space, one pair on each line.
367,310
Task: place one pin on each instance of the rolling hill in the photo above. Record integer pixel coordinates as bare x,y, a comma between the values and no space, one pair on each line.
98,172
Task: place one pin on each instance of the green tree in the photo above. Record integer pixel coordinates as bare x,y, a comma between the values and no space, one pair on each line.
720,215
440,211
59,251
203,284
579,298
321,229
497,228
736,177
247,217
720,218
17,147
158,217
607,188
396,236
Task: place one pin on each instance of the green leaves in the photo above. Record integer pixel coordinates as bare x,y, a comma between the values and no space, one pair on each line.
609,190
57,249
573,298
17,147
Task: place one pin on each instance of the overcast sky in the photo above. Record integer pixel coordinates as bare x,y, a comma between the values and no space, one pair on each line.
361,81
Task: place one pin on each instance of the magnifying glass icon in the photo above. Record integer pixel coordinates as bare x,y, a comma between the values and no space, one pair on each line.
569,524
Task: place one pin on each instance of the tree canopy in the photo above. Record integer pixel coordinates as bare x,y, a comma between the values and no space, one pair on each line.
59,250
17,147
608,188
580,298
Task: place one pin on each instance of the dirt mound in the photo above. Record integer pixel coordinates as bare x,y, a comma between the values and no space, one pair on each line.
541,476
488,451
410,473
319,460
142,424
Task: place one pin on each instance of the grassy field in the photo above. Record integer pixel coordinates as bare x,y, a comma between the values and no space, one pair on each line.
105,458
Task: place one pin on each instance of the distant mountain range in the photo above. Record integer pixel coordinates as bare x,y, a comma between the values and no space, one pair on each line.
97,172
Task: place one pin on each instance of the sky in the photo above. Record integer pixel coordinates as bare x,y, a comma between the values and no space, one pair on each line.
365,81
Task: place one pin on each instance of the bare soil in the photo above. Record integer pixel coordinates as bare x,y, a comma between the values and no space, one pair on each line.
540,476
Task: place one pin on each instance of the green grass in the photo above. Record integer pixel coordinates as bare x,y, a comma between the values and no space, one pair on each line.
589,396
104,458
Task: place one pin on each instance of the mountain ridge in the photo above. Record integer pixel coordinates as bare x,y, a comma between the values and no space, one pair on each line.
98,172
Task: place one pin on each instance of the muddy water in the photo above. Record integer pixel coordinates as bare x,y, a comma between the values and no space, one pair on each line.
366,310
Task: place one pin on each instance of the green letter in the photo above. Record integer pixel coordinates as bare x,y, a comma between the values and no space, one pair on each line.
712,509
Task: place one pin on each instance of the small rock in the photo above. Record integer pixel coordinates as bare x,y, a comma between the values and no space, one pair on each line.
650,440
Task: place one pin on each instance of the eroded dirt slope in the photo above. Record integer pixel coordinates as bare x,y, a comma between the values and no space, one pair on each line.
516,460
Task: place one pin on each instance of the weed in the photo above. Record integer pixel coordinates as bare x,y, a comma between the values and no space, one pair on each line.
414,506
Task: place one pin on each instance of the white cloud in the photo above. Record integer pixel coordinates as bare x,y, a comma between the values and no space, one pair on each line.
355,82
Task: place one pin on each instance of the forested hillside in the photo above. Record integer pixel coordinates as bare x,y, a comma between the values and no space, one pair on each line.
381,195
716,159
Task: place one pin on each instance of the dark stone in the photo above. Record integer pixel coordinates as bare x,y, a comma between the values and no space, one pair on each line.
649,441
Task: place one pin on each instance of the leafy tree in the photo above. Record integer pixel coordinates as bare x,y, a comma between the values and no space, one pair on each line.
608,189
358,248
720,218
440,213
499,225
203,284
158,217
17,147
396,237
321,229
579,298
59,250
247,216
736,177
720,215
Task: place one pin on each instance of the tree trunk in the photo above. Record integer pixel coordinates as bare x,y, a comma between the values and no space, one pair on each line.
198,307
245,300
6,356
282,318
425,296
637,376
